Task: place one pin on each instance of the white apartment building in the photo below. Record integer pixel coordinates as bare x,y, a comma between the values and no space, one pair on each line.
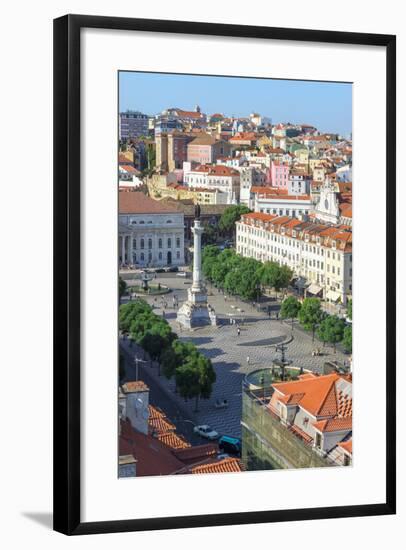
223,178
320,253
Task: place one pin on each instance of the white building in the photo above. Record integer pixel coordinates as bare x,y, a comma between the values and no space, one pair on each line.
151,234
219,177
249,178
319,253
278,201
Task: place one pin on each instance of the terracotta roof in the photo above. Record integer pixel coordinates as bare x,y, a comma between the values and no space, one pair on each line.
203,139
136,386
219,467
196,453
137,203
153,457
129,168
173,441
334,424
346,445
318,393
244,136
188,114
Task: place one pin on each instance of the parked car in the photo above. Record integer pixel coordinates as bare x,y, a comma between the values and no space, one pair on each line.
181,274
173,269
230,445
205,431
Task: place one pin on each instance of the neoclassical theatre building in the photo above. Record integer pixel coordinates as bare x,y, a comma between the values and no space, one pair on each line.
151,234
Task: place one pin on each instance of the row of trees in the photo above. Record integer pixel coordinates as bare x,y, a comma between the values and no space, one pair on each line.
193,372
329,328
242,276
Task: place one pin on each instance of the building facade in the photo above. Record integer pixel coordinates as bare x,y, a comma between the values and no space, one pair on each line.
319,253
223,178
132,124
151,233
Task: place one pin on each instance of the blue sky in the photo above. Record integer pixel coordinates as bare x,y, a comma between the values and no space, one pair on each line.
327,105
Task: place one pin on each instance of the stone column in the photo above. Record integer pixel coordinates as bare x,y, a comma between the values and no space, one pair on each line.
197,256
130,250
123,249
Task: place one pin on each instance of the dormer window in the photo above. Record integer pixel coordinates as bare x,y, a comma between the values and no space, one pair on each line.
334,244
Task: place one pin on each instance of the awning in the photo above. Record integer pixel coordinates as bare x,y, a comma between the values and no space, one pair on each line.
314,289
333,296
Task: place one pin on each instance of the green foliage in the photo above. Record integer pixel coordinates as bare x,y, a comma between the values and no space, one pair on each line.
242,276
349,309
275,276
129,312
290,308
311,314
231,215
347,338
122,287
195,377
331,330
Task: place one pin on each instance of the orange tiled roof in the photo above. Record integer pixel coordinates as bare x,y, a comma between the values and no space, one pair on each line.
346,445
173,441
318,393
191,454
334,424
219,467
135,386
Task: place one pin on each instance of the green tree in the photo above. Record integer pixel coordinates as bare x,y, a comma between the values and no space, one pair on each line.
331,330
230,216
130,311
273,275
290,308
122,287
169,361
347,338
311,314
195,378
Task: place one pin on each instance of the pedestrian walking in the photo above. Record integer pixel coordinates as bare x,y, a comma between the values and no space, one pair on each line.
248,359
238,331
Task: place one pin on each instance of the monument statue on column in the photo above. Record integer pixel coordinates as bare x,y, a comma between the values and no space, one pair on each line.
196,311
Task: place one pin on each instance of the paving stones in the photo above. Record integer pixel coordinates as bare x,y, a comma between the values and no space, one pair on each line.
229,352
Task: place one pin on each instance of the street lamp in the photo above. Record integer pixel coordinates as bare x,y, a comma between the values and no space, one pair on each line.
136,361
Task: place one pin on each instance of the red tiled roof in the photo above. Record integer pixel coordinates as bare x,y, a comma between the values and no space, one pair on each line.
334,424
219,467
129,168
196,453
137,203
135,386
317,399
153,457
173,441
346,445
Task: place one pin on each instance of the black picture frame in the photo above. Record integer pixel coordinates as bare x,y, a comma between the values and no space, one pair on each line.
67,273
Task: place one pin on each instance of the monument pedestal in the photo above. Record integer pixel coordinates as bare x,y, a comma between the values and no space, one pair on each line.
196,311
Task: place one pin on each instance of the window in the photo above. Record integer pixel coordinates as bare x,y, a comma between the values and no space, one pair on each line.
318,440
142,256
160,243
150,243
142,245
169,243
160,256
178,255
134,243
178,242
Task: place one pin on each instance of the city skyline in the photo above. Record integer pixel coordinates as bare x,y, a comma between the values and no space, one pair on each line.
292,101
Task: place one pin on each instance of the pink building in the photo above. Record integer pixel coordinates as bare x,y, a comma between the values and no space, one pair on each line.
279,175
205,149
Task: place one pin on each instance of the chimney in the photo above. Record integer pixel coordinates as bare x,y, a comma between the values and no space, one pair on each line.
136,404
